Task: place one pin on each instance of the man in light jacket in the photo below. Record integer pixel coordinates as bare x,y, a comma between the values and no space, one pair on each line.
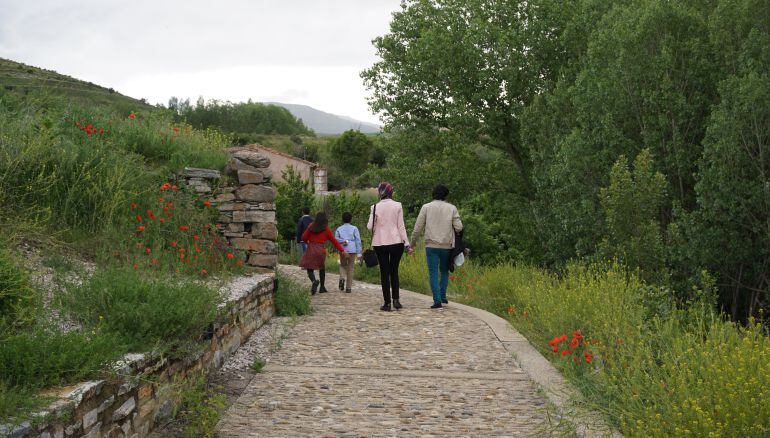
439,221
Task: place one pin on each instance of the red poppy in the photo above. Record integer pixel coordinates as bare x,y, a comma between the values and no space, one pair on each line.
165,186
577,335
196,237
206,204
204,272
140,228
148,250
136,266
173,244
230,255
588,357
132,116
138,218
150,214
174,188
175,129
566,352
184,227
574,342
239,263
133,205
555,349
562,338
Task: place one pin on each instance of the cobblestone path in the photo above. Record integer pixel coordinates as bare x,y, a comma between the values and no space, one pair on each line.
351,370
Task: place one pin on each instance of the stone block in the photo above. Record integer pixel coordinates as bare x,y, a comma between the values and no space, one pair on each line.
250,177
257,245
89,419
253,216
265,230
225,197
236,227
234,165
231,206
107,403
95,432
252,158
225,219
265,260
145,391
126,408
255,193
194,172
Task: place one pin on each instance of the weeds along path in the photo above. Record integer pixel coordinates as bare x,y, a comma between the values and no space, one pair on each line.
351,370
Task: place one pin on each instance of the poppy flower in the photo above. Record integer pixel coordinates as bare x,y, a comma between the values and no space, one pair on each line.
239,263
510,310
173,244
588,357
148,250
165,186
230,255
138,218
565,352
184,227
196,237
562,338
204,272
136,266
206,204
555,349
577,335
133,205
174,188
132,116
574,342
162,220
140,228
150,214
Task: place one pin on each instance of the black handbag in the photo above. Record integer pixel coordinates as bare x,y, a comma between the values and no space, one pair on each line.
370,257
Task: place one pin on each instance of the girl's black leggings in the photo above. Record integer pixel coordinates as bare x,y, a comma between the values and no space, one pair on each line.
321,273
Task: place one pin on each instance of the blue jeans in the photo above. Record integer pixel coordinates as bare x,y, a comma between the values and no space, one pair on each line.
438,265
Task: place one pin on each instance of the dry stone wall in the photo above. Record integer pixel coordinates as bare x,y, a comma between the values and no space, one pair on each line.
247,209
145,389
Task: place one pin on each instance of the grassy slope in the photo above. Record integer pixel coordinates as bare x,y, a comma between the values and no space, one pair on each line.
22,78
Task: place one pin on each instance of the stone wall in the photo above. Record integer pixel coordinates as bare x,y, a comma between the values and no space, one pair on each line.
247,209
145,388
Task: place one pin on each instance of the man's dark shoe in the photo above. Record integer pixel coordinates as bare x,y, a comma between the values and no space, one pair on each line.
385,308
436,306
323,290
397,304
342,283
444,301
314,287
347,291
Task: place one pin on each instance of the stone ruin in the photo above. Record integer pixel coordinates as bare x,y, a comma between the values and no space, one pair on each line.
247,210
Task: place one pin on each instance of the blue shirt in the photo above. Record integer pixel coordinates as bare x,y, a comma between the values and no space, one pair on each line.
350,233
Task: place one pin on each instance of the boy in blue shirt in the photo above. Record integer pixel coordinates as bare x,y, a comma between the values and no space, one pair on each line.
350,239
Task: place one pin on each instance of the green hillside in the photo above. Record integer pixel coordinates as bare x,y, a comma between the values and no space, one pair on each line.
23,79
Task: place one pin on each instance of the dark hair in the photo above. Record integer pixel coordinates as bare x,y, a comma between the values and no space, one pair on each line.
440,192
305,210
319,223
347,217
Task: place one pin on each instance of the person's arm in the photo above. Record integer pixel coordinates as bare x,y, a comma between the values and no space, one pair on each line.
371,218
299,229
402,227
357,240
306,234
419,226
330,236
457,224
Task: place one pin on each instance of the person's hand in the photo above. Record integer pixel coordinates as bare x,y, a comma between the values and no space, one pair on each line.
410,250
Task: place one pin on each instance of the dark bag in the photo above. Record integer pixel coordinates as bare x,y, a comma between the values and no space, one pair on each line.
370,257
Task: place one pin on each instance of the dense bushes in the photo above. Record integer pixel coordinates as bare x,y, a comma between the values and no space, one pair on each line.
291,298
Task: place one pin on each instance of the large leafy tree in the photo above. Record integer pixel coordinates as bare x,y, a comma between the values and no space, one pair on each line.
461,65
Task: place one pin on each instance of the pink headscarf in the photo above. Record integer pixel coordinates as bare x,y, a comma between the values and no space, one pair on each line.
385,190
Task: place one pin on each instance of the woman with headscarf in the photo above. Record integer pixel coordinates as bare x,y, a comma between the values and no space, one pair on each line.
316,234
389,239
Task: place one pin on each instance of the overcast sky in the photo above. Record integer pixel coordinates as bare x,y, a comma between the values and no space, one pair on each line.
293,51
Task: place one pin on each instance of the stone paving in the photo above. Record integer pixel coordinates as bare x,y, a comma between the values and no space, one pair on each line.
351,370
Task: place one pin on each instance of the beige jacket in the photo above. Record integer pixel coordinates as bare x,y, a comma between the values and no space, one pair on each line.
439,220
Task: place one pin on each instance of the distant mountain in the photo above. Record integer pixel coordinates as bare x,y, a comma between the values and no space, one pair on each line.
326,123
16,77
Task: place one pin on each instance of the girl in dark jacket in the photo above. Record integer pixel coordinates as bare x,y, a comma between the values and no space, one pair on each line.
315,257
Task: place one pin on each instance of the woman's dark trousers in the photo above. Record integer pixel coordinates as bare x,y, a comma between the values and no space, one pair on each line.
389,256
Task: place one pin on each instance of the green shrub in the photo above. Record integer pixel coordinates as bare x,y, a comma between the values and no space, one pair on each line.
202,406
144,310
44,356
291,299
292,196
257,364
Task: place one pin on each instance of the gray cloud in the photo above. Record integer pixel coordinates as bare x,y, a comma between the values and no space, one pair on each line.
108,42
